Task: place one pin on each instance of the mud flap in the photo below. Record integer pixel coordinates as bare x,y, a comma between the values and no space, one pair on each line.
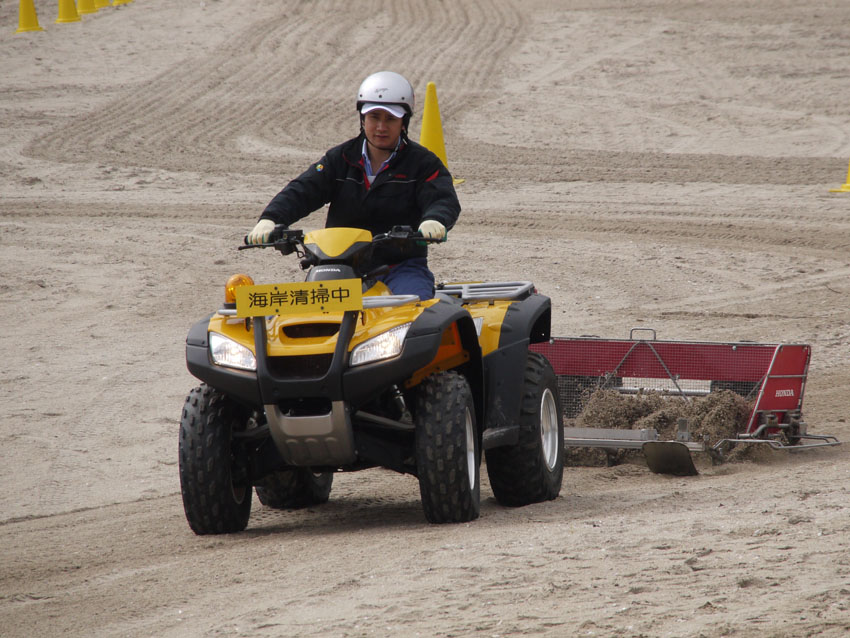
669,457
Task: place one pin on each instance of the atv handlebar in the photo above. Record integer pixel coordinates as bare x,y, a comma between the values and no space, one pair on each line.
288,241
402,233
281,238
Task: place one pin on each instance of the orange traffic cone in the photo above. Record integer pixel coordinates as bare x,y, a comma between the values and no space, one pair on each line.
27,18
86,6
67,12
431,136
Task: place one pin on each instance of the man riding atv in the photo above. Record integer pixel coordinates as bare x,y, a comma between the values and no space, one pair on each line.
340,372
376,181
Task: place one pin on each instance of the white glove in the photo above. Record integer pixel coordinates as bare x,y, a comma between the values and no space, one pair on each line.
261,232
432,229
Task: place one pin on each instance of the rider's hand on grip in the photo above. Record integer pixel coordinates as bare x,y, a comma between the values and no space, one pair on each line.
432,229
278,233
260,233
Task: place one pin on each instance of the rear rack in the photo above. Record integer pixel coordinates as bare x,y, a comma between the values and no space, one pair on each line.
491,291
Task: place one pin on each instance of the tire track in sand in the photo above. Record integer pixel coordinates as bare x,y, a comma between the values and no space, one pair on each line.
288,80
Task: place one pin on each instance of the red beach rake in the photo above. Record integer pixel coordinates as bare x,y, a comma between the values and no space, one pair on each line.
773,374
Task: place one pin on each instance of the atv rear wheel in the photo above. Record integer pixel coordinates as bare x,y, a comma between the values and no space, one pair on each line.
213,479
532,470
448,449
295,489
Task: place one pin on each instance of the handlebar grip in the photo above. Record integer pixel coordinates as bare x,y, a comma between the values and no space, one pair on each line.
277,232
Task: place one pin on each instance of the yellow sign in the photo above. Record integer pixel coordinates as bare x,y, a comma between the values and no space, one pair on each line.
334,295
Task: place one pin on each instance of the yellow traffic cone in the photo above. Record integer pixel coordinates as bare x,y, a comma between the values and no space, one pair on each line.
115,3
27,18
99,4
67,12
431,136
86,6
845,188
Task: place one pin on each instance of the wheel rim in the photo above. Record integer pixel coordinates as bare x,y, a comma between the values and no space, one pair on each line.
470,450
549,428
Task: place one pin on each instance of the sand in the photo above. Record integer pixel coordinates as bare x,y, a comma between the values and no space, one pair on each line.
654,163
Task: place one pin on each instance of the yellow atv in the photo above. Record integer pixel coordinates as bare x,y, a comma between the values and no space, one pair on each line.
335,373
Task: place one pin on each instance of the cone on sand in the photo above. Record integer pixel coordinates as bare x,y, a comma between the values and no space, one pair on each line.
431,136
86,6
27,18
845,188
67,12
99,4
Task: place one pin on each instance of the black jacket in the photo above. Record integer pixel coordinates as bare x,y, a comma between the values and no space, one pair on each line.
414,186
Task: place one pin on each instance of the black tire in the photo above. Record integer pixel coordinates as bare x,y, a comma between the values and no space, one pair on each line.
532,470
214,484
295,489
448,449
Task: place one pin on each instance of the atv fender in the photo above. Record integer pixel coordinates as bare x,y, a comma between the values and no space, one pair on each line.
420,348
527,321
241,385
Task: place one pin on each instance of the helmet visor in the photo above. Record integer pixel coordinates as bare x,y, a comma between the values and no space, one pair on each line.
393,109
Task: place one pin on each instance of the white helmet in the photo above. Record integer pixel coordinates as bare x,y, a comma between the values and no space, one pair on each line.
386,88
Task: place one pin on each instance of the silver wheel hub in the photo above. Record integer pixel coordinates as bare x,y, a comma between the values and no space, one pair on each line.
549,428
470,449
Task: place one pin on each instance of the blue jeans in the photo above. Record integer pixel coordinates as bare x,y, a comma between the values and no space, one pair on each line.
411,277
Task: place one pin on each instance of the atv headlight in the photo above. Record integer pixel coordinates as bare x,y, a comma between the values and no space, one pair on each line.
226,352
385,345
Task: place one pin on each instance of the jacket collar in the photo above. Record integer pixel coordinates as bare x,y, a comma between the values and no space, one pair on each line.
353,150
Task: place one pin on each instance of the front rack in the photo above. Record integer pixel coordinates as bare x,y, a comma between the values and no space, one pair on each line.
468,292
381,301
389,301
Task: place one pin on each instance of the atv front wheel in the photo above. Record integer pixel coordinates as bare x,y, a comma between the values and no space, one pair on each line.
213,480
532,470
295,489
448,453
